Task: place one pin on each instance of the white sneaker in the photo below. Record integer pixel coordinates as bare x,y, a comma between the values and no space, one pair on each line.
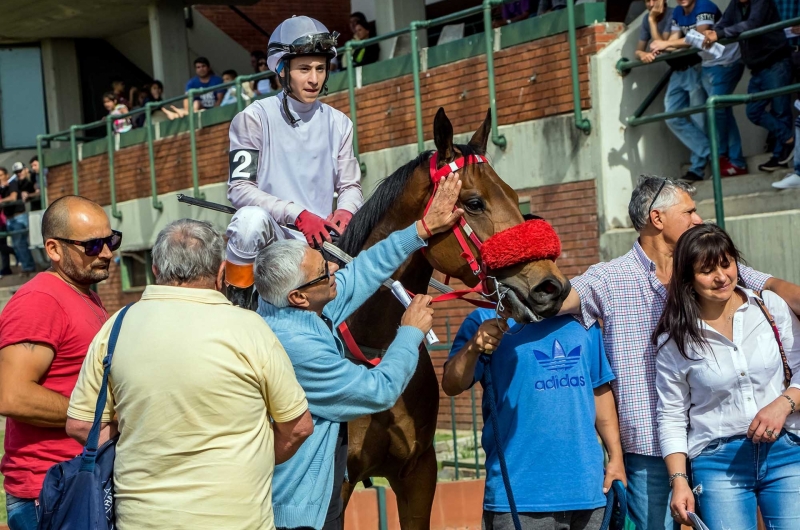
790,181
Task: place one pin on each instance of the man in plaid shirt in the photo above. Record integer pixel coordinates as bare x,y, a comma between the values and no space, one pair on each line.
628,295
789,9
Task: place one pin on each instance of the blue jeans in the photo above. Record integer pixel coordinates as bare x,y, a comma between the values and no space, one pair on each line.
685,89
778,120
21,513
648,492
733,475
720,81
20,241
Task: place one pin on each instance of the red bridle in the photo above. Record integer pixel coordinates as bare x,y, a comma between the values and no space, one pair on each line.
466,253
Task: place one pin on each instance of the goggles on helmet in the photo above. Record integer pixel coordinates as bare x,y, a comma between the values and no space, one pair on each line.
308,44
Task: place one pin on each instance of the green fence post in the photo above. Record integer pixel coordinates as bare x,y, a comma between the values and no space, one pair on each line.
112,184
239,97
73,150
148,109
383,519
455,433
417,90
719,208
351,93
42,170
193,144
475,432
497,139
580,122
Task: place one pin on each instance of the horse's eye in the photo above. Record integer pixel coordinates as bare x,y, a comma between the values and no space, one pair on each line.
475,205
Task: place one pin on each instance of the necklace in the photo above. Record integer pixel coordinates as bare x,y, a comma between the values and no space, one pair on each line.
82,297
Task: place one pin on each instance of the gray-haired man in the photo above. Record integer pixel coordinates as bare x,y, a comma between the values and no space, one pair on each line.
205,398
628,294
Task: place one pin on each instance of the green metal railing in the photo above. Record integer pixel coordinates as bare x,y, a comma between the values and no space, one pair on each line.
624,66
347,51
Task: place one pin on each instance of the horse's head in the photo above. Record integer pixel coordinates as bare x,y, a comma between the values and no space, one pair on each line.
535,289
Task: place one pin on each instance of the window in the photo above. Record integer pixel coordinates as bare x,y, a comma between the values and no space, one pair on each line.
137,270
22,114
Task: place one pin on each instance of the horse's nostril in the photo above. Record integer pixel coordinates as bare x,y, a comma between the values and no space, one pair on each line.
547,287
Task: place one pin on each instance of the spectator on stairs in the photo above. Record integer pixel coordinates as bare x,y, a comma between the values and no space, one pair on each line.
118,88
361,31
684,90
205,78
5,250
229,76
17,220
769,59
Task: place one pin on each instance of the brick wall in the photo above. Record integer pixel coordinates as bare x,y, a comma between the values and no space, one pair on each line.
335,14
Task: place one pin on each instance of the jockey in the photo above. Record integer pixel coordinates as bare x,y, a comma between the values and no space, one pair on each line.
290,153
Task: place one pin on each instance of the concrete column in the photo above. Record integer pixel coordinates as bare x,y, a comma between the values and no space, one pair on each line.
396,14
62,84
169,44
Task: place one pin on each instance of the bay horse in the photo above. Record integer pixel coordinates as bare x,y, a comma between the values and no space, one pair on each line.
398,444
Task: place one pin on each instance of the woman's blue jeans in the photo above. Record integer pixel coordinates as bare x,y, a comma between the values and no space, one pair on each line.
733,476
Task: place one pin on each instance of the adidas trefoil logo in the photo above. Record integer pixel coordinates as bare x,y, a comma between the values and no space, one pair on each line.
560,362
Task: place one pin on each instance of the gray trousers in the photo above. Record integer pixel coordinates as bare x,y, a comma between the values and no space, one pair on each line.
572,520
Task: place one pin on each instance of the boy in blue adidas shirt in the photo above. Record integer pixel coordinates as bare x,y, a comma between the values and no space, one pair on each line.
551,385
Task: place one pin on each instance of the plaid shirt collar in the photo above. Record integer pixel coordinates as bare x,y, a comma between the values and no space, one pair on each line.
649,267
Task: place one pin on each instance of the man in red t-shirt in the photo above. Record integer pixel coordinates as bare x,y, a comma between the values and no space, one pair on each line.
45,331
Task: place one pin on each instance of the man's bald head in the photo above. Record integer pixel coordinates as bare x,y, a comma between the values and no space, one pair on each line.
57,220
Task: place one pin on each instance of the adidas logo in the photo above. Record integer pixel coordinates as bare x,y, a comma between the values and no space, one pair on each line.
559,361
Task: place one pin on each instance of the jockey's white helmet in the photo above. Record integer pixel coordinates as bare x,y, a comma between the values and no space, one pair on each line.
299,36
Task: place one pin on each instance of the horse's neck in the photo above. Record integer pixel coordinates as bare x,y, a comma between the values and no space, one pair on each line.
376,321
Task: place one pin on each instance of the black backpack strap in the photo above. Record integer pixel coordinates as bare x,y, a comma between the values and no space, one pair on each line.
787,370
90,449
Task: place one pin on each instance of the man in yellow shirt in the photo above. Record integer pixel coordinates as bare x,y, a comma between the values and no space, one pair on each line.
202,394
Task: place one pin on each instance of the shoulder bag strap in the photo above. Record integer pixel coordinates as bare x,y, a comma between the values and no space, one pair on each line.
90,449
787,370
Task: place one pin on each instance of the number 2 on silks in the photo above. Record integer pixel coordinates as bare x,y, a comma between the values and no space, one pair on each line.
243,164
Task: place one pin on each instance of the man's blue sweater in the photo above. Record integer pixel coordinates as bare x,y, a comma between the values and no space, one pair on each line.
336,389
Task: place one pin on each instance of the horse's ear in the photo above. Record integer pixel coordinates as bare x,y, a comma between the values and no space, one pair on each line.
480,139
443,137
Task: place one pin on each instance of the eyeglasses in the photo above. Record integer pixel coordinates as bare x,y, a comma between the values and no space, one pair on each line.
94,247
663,183
322,278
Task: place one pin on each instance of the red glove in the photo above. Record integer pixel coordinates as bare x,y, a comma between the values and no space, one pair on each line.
314,228
340,219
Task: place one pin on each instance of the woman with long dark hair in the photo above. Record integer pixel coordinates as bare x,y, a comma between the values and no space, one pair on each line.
727,393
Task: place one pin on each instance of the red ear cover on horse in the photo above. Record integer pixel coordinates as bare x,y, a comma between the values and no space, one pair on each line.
530,241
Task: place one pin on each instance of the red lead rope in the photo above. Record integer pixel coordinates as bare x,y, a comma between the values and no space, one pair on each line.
467,254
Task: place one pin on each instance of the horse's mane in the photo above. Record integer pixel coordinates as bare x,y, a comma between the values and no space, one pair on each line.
385,194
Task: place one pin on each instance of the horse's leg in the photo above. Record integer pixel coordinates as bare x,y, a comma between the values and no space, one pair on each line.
415,492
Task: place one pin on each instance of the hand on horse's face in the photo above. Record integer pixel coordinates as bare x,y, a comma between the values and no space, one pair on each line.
442,214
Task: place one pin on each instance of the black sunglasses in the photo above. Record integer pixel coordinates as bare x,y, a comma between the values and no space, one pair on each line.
650,209
324,277
94,247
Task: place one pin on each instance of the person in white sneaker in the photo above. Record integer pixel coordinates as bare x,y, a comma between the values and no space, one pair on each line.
792,180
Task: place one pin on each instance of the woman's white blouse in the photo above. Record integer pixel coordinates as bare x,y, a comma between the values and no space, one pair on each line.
718,395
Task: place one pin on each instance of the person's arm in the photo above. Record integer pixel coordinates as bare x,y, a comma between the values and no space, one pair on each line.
588,295
78,430
682,500
339,390
459,370
790,292
642,54
348,174
673,420
675,42
359,280
773,416
22,398
607,425
290,435
726,28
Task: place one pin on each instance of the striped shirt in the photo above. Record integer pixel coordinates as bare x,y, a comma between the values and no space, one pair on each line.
628,297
